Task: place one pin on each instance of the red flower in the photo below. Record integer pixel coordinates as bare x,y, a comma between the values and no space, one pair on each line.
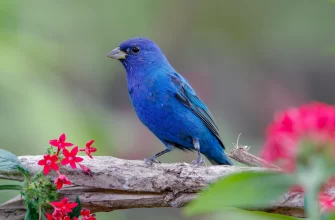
327,202
64,206
86,213
49,162
61,179
88,149
49,216
60,143
71,157
314,122
58,214
86,170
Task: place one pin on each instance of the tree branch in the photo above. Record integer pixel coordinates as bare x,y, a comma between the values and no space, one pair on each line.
125,184
241,154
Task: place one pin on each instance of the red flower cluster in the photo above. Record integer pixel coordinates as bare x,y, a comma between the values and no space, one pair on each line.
314,122
285,138
69,157
62,208
64,157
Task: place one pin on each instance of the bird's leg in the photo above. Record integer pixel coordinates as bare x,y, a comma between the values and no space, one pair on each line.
199,160
153,159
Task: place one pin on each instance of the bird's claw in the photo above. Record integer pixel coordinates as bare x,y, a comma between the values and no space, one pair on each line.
150,161
198,162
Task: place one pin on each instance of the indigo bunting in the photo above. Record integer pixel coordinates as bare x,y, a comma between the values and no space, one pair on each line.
166,103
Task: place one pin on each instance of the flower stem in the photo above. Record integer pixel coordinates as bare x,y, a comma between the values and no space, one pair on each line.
312,202
311,179
40,212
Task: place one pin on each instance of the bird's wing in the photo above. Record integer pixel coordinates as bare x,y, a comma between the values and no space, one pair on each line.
187,96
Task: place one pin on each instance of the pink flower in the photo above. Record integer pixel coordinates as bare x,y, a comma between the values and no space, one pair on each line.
71,157
327,202
60,142
49,162
314,122
64,206
62,179
88,149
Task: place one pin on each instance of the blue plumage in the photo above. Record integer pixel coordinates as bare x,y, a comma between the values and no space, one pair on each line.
166,103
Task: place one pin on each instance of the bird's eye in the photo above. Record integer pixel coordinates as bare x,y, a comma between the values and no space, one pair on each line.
135,49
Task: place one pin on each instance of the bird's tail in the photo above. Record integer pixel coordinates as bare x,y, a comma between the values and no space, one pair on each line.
220,159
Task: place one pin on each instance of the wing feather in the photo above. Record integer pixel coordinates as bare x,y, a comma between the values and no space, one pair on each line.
187,96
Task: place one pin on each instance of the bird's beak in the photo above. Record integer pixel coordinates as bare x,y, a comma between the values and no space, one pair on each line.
117,54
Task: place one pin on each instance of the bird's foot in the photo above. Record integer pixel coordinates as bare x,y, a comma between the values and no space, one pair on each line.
150,161
199,161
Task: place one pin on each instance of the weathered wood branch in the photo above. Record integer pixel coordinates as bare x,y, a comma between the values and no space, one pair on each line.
125,184
241,154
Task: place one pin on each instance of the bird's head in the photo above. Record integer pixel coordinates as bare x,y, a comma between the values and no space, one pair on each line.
138,53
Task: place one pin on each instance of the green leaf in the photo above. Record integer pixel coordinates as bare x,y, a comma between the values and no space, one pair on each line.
32,213
239,214
241,190
10,187
76,211
328,216
8,161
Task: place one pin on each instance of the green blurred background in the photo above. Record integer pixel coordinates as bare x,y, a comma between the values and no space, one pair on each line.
246,59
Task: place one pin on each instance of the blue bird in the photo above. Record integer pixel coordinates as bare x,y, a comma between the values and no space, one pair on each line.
166,103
